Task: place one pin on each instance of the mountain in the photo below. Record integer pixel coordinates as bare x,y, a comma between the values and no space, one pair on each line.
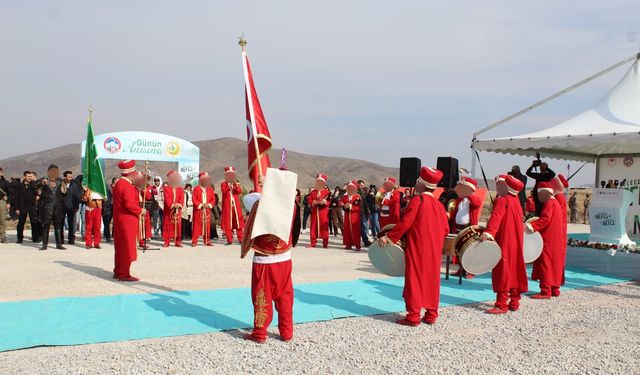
214,156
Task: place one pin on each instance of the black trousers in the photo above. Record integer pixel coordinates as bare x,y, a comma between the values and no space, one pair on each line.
70,216
305,217
107,216
35,225
58,231
186,229
214,230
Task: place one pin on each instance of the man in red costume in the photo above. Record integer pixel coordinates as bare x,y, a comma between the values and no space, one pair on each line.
144,197
172,211
126,216
424,226
204,200
350,203
509,276
92,219
390,205
271,272
318,200
466,212
232,218
560,186
549,267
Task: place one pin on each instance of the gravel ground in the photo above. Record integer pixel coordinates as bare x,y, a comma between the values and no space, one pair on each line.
588,331
79,272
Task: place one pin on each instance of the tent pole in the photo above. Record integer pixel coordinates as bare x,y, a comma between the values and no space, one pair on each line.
595,185
473,158
556,95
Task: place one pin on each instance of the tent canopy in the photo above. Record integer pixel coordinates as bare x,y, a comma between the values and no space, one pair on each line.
611,127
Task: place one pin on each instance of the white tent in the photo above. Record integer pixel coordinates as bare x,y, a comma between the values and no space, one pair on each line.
611,127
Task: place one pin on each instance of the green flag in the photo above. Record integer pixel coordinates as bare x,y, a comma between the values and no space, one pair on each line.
93,177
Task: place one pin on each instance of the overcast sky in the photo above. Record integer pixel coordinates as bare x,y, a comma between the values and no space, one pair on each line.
374,80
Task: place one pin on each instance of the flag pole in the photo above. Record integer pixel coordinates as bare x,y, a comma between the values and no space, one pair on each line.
86,150
243,42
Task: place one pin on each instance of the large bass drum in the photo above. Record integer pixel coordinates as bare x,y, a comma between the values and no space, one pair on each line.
390,258
477,257
532,244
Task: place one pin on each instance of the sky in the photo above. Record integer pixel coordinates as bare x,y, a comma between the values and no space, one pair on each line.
373,80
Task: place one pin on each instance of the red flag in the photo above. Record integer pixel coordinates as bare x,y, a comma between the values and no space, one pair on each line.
258,136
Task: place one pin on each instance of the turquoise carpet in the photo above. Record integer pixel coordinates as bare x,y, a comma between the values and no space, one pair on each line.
84,320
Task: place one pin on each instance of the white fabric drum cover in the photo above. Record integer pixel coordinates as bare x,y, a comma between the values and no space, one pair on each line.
481,257
388,259
532,246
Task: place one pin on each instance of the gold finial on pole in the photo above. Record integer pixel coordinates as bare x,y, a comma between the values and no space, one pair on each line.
242,41
90,113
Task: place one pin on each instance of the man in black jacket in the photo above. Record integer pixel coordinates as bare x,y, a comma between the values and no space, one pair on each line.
71,204
107,211
25,202
545,175
365,214
52,191
5,189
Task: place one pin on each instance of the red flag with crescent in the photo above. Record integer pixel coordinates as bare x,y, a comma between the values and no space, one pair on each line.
258,136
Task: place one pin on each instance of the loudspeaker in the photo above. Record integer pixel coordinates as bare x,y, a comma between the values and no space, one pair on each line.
409,171
449,168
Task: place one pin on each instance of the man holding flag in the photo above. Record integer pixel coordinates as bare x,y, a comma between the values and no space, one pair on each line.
258,136
95,190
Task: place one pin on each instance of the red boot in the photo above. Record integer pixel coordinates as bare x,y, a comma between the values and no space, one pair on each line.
251,337
405,322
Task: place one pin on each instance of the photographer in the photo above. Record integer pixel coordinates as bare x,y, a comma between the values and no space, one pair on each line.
544,175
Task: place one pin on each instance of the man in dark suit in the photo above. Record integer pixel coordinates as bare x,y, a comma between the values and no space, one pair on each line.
107,211
25,202
71,202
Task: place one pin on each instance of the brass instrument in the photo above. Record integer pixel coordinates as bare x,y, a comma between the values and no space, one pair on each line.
451,205
379,198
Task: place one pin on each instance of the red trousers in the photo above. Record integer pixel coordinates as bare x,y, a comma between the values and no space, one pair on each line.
172,230
509,299
271,283
549,290
93,226
201,218
229,235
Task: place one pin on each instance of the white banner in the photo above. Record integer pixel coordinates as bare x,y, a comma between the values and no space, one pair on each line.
623,172
148,146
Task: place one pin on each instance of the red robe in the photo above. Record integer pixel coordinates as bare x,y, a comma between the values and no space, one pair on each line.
562,201
126,216
549,267
425,226
393,214
232,217
351,226
172,216
319,216
530,206
203,201
506,227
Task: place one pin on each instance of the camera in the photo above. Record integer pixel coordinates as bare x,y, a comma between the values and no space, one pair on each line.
538,161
